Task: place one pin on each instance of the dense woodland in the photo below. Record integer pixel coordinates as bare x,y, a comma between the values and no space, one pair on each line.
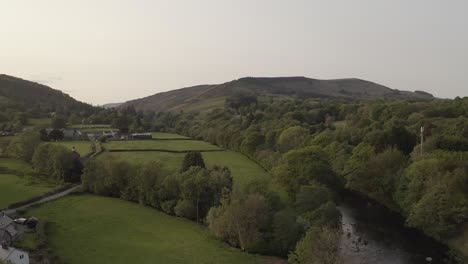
314,149
370,147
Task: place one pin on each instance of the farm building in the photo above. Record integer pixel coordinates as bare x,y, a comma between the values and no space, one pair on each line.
8,231
141,136
13,255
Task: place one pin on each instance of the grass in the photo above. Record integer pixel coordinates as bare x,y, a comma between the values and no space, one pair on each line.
17,184
243,170
177,145
92,126
16,166
171,161
92,229
39,122
83,147
160,135
203,106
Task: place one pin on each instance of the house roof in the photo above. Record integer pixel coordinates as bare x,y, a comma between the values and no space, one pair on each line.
13,232
5,221
6,253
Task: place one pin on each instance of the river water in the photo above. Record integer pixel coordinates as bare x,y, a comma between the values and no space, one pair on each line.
374,235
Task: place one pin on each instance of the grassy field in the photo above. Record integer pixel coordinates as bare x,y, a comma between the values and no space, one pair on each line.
172,161
83,147
91,229
39,122
160,135
242,168
16,184
177,145
92,126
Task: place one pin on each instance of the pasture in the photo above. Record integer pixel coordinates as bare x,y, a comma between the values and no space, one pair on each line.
160,135
17,184
171,161
92,229
174,145
83,147
243,170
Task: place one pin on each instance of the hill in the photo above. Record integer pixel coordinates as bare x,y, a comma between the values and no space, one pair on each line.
203,97
26,95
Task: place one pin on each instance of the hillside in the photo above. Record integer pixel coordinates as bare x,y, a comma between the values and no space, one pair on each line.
26,95
208,96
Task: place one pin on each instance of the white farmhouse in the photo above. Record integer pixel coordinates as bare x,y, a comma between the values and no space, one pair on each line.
14,256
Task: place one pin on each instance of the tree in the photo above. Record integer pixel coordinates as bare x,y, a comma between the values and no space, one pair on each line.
305,166
240,222
292,138
251,142
286,231
192,159
377,177
319,246
23,146
56,135
59,122
311,197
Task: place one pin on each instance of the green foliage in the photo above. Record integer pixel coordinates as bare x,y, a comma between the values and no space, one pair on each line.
292,138
57,163
58,122
433,193
23,146
192,159
286,231
251,142
363,178
305,166
189,194
55,135
311,197
319,246
240,222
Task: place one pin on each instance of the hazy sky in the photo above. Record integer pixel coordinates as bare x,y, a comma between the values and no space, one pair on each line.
102,51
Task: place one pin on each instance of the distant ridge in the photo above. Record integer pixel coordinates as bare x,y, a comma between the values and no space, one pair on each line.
204,97
31,95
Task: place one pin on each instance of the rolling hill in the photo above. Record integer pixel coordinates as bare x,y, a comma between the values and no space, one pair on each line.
203,97
23,94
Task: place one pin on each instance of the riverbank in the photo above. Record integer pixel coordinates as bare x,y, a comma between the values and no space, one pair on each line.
374,234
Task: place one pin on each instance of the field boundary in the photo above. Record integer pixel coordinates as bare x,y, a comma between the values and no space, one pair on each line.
40,198
164,150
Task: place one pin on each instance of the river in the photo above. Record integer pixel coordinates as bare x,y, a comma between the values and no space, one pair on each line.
374,235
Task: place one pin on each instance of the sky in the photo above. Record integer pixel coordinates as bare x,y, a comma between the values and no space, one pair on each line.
107,51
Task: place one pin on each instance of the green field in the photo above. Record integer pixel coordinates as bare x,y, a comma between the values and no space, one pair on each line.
83,147
160,135
91,229
92,126
17,184
242,168
176,145
171,161
39,122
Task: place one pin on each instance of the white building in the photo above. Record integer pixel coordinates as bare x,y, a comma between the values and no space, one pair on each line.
14,256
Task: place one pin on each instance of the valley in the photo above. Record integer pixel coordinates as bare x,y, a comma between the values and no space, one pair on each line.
256,170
